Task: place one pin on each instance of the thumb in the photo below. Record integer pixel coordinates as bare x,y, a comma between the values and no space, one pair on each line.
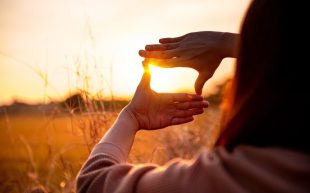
146,78
200,81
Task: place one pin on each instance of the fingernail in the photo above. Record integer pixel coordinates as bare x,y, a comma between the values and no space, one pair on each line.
206,104
141,52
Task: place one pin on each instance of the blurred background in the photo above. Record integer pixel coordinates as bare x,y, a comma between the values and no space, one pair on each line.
68,66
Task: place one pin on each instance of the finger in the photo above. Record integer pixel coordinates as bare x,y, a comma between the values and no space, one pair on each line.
191,105
177,121
171,40
157,54
158,47
165,63
187,113
200,81
145,80
183,97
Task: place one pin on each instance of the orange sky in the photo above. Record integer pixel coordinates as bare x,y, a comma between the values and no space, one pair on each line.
50,47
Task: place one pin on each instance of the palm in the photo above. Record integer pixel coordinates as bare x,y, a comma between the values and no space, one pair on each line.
155,112
158,110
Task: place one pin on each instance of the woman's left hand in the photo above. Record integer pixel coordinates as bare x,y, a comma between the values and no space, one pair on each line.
158,110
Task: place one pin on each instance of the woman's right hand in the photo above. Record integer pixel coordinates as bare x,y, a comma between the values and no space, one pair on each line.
153,110
202,51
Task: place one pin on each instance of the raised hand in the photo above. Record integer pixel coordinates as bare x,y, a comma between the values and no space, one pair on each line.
202,51
158,110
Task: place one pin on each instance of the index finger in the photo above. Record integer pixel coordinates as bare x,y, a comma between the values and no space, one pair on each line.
159,47
183,97
171,40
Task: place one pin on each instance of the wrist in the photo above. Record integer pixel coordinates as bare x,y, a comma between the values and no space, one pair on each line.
127,117
229,42
122,133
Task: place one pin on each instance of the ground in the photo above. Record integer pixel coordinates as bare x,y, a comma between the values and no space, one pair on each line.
48,150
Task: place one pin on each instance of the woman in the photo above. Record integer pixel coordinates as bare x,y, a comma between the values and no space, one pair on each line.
263,146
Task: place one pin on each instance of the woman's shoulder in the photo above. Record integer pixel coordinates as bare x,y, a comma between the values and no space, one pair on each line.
272,158
270,168
268,155
245,169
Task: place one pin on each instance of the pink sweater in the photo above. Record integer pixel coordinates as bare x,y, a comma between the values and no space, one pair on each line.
246,169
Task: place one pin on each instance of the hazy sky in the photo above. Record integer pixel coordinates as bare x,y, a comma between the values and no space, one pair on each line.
51,47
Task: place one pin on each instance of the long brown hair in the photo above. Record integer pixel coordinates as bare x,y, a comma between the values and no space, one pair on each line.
269,101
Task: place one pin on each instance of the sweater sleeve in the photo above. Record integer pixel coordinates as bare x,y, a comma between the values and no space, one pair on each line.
247,169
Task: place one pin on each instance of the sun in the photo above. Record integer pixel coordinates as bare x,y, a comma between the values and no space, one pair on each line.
160,82
171,79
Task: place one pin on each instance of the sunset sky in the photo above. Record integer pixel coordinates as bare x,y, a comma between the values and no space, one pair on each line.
49,48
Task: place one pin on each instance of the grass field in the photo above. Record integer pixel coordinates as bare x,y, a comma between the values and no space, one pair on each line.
48,150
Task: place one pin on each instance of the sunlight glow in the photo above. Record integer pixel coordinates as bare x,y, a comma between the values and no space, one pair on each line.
49,49
172,79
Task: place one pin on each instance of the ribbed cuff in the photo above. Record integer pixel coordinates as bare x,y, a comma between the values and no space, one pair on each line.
109,149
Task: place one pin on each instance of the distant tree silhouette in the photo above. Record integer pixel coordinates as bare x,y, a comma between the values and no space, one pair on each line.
74,102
